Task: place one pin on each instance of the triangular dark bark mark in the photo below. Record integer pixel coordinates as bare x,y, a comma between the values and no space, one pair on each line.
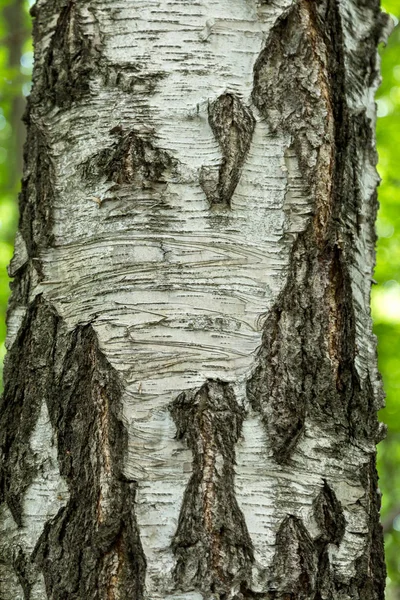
132,160
329,516
294,566
212,545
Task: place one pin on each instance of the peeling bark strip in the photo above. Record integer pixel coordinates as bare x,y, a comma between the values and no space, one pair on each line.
233,125
212,545
92,548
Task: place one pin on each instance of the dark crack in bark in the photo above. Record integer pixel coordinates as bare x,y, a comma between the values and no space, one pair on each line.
91,549
233,126
131,160
328,514
212,545
28,378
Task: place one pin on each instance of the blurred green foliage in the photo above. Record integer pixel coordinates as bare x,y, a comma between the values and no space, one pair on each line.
15,70
386,295
15,73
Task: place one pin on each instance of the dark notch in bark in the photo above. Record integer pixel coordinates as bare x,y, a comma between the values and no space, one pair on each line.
301,568
28,377
69,62
91,549
329,516
131,160
25,570
294,566
233,126
37,195
306,362
212,545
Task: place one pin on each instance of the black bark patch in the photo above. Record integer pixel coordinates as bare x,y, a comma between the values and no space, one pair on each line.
131,160
294,566
212,546
285,88
37,195
25,571
370,577
28,377
70,60
329,516
91,549
233,126
306,367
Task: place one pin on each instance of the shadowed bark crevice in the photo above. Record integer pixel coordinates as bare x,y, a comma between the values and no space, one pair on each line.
212,546
233,126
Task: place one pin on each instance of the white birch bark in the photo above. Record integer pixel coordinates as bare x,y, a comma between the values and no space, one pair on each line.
178,279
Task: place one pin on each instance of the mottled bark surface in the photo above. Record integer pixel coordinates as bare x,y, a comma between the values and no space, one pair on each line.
191,387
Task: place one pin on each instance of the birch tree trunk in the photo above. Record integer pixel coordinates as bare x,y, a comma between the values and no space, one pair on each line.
191,386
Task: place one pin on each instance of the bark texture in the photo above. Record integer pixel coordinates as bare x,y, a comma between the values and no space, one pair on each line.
191,387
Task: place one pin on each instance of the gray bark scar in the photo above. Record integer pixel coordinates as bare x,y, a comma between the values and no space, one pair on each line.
233,126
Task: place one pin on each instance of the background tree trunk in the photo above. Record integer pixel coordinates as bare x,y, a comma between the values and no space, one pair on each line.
191,388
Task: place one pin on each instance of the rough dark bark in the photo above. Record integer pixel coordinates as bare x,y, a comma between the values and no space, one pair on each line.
113,335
